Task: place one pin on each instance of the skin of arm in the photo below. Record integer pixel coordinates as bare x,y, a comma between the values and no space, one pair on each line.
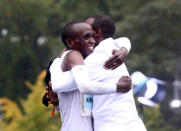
73,58
61,81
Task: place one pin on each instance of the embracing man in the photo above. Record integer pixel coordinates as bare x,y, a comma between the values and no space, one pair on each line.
112,111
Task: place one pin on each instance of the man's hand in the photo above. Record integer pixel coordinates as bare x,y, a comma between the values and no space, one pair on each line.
124,84
117,59
51,96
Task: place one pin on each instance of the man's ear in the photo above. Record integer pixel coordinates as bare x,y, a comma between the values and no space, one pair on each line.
70,43
98,32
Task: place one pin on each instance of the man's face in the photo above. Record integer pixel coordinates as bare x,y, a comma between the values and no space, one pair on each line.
90,21
83,39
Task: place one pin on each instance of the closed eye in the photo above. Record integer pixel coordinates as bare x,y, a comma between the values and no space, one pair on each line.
87,36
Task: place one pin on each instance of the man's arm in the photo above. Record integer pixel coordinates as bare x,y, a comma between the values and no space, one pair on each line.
80,73
118,56
88,86
61,81
64,81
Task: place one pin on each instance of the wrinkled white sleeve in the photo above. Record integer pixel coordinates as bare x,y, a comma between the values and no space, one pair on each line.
78,78
61,81
123,42
85,85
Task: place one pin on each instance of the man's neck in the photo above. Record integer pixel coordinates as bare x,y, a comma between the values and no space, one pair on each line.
101,39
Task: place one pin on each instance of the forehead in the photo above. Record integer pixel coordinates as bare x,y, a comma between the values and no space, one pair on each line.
81,28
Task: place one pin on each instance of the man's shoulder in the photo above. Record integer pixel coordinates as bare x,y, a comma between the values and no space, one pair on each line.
124,39
110,39
73,55
104,43
72,59
69,54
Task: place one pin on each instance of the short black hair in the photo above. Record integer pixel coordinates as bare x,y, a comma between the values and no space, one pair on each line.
105,23
67,31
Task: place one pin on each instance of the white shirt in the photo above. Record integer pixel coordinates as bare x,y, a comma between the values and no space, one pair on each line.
69,105
117,111
114,111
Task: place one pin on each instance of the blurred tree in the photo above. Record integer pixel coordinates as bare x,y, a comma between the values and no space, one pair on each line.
154,31
154,120
30,37
25,43
35,116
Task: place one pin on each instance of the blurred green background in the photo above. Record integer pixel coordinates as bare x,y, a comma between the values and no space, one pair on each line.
30,37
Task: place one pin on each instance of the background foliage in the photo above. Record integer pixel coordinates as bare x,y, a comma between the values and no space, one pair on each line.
35,116
30,38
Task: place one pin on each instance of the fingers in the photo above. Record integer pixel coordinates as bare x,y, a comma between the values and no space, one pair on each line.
52,97
117,59
125,78
114,51
50,83
47,97
124,51
112,63
124,90
124,84
115,63
46,92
